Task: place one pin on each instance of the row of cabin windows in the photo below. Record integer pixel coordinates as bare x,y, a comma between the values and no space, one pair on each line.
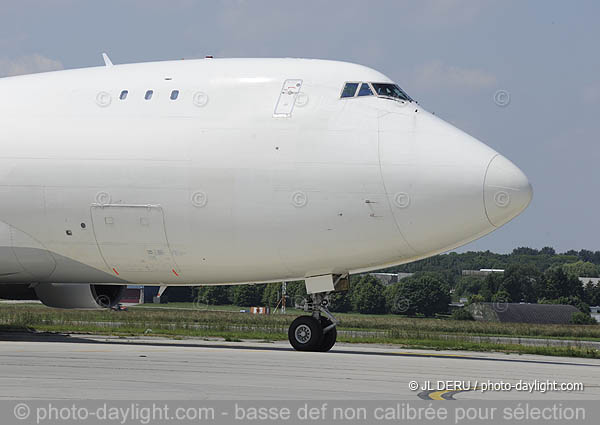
149,94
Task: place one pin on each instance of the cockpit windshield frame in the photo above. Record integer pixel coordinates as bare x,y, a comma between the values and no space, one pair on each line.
402,97
405,97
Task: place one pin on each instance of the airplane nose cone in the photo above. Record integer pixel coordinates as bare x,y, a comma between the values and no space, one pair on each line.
506,191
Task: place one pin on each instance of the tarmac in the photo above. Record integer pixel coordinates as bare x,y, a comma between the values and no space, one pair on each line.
73,367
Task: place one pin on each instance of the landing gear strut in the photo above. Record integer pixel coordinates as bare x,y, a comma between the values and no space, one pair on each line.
316,332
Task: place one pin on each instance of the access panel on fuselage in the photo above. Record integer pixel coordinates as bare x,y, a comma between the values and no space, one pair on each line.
133,241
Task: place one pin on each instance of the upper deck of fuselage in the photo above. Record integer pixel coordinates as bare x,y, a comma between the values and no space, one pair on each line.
231,85
213,71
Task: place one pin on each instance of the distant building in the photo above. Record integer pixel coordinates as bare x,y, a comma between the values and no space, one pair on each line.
455,306
590,281
390,278
595,312
522,313
134,294
179,294
481,272
150,292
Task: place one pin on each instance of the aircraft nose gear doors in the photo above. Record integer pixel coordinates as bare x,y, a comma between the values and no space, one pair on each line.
317,332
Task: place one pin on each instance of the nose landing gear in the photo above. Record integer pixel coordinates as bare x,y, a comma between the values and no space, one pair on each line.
316,332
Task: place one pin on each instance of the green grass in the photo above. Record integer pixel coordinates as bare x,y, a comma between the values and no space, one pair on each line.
200,307
180,320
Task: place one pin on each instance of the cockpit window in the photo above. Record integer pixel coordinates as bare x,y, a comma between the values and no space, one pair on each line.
349,89
390,90
385,90
365,90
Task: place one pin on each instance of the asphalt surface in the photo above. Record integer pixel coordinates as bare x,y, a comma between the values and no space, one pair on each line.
50,366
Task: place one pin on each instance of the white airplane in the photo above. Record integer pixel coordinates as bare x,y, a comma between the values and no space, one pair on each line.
232,171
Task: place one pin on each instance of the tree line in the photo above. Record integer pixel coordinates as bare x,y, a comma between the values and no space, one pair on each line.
558,284
530,276
423,294
453,263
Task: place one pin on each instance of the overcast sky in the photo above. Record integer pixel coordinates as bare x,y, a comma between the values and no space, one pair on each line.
453,56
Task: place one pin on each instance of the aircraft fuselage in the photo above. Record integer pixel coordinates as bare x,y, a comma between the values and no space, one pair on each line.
232,171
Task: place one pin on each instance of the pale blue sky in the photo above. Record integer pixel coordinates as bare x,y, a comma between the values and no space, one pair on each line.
450,55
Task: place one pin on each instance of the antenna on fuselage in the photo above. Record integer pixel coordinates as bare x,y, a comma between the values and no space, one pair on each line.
107,60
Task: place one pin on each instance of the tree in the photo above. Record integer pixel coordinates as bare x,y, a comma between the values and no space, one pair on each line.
491,285
419,294
214,295
272,294
367,296
574,301
521,282
340,302
530,274
501,297
582,269
474,299
453,263
580,318
547,250
591,294
462,314
248,295
296,292
558,284
468,285
586,255
525,251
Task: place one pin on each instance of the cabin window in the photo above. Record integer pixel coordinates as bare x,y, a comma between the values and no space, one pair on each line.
174,94
149,94
123,95
365,90
349,90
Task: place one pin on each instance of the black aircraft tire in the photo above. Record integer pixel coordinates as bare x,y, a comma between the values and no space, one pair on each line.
305,333
329,338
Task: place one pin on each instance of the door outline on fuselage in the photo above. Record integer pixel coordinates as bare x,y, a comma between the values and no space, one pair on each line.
133,242
287,98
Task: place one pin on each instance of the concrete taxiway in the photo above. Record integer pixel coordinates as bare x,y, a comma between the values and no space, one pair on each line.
96,367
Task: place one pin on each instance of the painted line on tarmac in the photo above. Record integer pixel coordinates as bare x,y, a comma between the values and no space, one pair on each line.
441,395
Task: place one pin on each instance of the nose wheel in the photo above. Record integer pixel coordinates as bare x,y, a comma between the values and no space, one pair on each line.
305,333
329,338
314,333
